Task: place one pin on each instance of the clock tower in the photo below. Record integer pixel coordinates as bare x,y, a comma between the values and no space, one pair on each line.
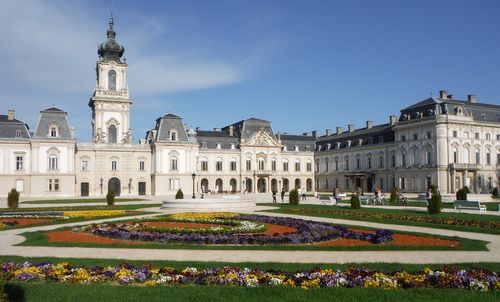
111,102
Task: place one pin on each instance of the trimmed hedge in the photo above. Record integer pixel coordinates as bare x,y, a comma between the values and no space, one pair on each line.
494,193
110,198
179,194
294,197
394,195
462,194
13,199
435,204
355,203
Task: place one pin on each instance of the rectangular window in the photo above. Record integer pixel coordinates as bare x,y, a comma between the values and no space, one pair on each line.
429,158
285,166
428,135
173,164
403,138
488,136
327,186
273,165
477,135
393,161
455,133
53,185
488,158
85,165
346,164
336,165
141,165
297,167
218,165
381,162
478,158
19,163
173,184
233,166
490,183
261,165
309,167
114,165
455,157
326,166
369,162
498,159
249,165
498,137
52,163
204,165
403,160
358,163
20,185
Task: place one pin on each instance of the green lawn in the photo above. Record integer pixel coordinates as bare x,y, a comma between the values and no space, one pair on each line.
40,239
51,292
80,200
349,214
19,291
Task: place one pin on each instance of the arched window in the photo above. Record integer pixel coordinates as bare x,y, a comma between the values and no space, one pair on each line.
173,163
173,136
53,162
112,80
112,134
53,131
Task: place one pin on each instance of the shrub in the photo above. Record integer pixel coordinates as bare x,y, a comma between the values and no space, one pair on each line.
13,199
355,203
467,190
110,198
3,295
494,193
462,194
435,204
293,198
394,195
179,194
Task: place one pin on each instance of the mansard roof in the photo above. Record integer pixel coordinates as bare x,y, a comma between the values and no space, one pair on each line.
168,123
13,129
53,117
376,134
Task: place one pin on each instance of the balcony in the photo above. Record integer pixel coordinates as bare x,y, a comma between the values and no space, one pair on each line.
463,167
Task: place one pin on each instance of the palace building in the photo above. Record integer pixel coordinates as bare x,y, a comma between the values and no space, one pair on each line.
440,140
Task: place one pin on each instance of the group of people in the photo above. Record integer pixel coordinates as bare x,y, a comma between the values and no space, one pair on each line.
301,193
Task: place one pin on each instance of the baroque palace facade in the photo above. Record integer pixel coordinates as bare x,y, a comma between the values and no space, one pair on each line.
440,140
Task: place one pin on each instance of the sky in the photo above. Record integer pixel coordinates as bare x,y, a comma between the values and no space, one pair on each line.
302,64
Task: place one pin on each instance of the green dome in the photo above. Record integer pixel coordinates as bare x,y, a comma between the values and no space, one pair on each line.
110,50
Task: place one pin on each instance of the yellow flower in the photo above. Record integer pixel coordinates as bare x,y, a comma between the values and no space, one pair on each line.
289,282
149,283
210,215
90,214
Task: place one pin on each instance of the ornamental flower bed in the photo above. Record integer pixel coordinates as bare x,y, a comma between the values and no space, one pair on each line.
307,231
7,223
147,275
437,220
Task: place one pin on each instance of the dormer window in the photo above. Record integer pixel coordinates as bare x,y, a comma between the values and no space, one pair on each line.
19,134
53,132
173,136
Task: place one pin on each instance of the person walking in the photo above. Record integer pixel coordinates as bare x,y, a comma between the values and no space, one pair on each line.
303,195
428,197
274,195
282,195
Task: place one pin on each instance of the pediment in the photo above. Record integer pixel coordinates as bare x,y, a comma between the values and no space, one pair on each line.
263,139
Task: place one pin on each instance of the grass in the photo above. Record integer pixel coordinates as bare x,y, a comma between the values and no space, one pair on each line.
343,213
98,292
93,200
19,291
40,238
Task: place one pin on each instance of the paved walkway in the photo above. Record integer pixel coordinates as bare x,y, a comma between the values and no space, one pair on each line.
8,240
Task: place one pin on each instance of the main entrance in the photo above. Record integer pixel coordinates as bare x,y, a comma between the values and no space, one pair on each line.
261,185
114,185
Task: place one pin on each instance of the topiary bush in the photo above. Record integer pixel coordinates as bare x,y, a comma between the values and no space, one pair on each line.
3,295
110,198
293,198
13,199
355,203
179,194
394,195
435,204
494,193
467,190
462,194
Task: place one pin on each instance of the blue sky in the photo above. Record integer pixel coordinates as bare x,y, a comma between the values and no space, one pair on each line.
302,64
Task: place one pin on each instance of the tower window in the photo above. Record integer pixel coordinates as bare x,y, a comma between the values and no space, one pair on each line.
53,132
173,136
112,134
112,80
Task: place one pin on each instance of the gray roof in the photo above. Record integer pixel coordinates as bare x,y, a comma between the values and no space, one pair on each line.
53,116
13,129
435,106
377,134
168,123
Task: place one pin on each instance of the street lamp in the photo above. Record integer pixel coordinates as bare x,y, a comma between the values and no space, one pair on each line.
193,176
101,185
129,185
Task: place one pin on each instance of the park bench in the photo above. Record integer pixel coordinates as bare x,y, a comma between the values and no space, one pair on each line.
342,196
365,199
469,204
328,200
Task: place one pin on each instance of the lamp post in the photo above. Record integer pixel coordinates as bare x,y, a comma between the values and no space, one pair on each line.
129,185
193,176
101,185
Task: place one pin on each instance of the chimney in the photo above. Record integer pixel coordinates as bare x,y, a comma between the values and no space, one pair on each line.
153,134
328,132
10,114
350,127
450,96
72,132
314,133
369,124
443,94
472,98
393,119
305,133
231,130
216,129
339,130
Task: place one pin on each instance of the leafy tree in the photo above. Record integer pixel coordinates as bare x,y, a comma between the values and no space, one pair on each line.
435,204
